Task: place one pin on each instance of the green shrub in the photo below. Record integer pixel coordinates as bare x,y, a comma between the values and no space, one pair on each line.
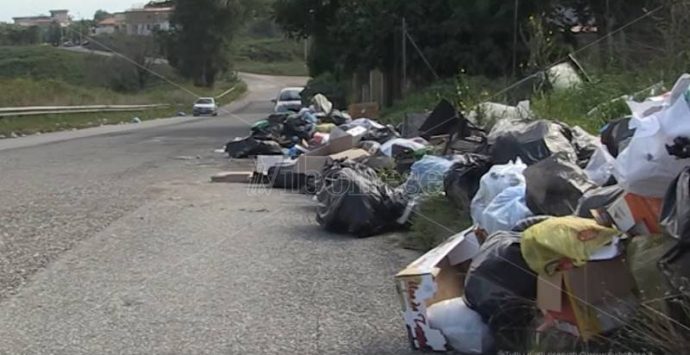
327,85
435,221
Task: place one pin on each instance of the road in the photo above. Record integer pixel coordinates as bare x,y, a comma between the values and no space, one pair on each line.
114,242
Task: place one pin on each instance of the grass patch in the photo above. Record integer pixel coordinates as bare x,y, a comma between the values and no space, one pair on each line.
26,125
420,101
436,220
270,55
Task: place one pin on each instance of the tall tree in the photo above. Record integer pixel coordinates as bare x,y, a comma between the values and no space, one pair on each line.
202,32
101,15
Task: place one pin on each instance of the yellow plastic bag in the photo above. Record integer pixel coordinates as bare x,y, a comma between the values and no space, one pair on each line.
545,244
325,127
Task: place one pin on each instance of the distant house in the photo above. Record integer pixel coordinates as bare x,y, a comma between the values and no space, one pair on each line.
145,21
113,24
60,17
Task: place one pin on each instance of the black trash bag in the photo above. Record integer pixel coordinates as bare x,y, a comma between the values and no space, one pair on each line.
250,146
499,285
597,198
585,145
338,118
444,119
352,199
531,142
297,126
616,135
381,135
555,185
461,182
283,176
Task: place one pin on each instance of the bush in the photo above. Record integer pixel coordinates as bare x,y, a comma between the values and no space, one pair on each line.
436,220
327,85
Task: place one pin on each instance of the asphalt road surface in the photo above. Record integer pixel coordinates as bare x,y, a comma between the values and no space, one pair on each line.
112,241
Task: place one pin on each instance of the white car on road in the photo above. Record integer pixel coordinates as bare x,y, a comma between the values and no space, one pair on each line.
289,99
205,106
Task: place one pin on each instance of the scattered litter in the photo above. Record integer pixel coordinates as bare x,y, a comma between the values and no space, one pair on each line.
232,177
136,120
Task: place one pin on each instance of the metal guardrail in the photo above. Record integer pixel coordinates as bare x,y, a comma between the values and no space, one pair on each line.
46,110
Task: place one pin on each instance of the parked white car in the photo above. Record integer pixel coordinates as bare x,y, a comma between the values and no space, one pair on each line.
205,106
289,99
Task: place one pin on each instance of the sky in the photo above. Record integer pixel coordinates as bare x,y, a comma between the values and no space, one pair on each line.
77,8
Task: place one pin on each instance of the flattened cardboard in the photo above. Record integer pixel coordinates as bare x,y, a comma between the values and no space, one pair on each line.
430,279
312,162
364,110
232,177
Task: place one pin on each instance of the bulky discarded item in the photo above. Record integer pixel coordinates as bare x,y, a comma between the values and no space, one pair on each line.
322,104
499,284
437,275
589,300
488,113
632,214
244,147
645,167
563,239
510,207
531,142
464,328
312,162
354,200
232,176
616,135
563,76
675,219
427,175
413,144
461,182
444,119
597,199
555,185
600,167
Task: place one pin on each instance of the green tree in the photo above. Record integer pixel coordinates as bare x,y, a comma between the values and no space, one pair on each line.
54,34
202,33
101,15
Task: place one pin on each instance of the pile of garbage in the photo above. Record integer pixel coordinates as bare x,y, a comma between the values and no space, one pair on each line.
572,232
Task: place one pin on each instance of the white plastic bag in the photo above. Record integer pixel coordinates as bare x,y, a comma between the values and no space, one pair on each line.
414,144
645,167
600,166
498,179
505,210
464,328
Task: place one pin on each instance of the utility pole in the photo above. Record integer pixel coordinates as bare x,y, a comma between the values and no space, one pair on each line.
515,37
404,56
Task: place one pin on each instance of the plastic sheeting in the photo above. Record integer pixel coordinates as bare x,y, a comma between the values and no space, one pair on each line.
505,184
352,199
427,175
499,284
645,167
462,179
464,328
546,244
555,185
531,142
616,135
600,167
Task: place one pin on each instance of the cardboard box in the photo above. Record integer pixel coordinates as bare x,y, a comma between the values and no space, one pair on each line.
364,110
588,300
633,214
437,276
232,176
312,162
